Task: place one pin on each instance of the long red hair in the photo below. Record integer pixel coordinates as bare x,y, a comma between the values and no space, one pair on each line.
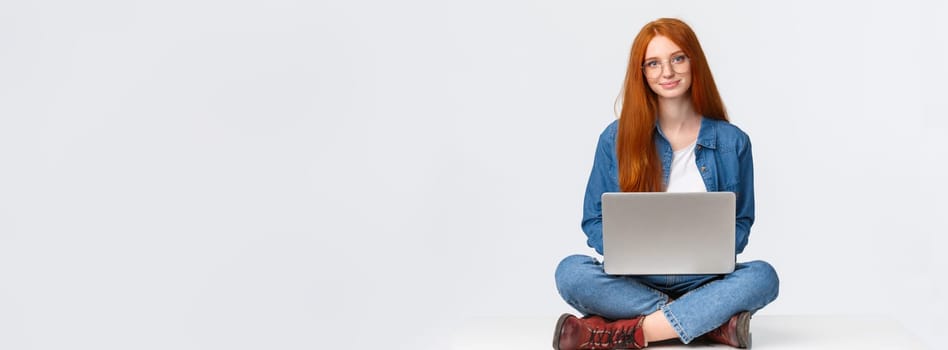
640,168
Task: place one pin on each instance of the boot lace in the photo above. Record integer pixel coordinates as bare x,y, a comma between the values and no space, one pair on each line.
619,337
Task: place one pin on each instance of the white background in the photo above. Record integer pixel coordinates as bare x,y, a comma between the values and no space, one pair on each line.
302,175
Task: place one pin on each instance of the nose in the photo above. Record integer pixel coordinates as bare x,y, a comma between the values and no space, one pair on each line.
667,71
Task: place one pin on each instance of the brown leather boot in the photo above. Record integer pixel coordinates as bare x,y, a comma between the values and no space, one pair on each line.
596,333
735,332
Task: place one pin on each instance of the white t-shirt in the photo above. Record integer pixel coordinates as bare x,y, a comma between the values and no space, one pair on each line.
684,175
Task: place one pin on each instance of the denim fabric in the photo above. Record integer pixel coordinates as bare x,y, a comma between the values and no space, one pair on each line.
701,302
722,153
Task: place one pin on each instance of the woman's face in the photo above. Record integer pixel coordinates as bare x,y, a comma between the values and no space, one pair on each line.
667,69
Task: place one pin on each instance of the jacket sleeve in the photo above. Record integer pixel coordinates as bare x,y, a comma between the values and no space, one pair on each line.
601,180
745,195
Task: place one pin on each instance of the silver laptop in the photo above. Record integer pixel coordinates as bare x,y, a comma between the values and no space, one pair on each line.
662,233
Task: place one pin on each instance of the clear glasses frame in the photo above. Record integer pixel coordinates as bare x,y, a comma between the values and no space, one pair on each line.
679,64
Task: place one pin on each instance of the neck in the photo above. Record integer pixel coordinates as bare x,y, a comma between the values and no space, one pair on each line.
675,114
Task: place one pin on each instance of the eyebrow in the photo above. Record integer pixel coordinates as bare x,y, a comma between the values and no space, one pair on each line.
672,55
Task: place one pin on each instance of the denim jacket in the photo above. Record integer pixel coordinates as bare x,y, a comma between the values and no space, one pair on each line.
723,156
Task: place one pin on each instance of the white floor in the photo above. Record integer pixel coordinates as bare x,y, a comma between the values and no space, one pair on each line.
769,332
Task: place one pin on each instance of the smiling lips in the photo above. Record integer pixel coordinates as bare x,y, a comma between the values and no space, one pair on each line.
670,85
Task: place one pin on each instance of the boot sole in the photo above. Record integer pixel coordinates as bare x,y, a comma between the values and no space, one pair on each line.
743,330
558,330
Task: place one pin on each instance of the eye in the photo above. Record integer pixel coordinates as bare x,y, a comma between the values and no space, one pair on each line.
651,64
679,59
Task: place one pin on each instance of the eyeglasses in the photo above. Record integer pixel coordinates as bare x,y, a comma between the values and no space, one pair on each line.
653,68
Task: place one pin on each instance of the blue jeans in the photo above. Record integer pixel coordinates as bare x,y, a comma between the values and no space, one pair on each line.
700,303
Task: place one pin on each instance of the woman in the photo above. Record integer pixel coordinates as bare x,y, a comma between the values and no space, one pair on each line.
672,135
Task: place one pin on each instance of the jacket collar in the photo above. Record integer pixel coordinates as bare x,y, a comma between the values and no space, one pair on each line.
707,135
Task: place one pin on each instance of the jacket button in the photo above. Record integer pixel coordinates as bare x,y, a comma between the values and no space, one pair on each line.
704,169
